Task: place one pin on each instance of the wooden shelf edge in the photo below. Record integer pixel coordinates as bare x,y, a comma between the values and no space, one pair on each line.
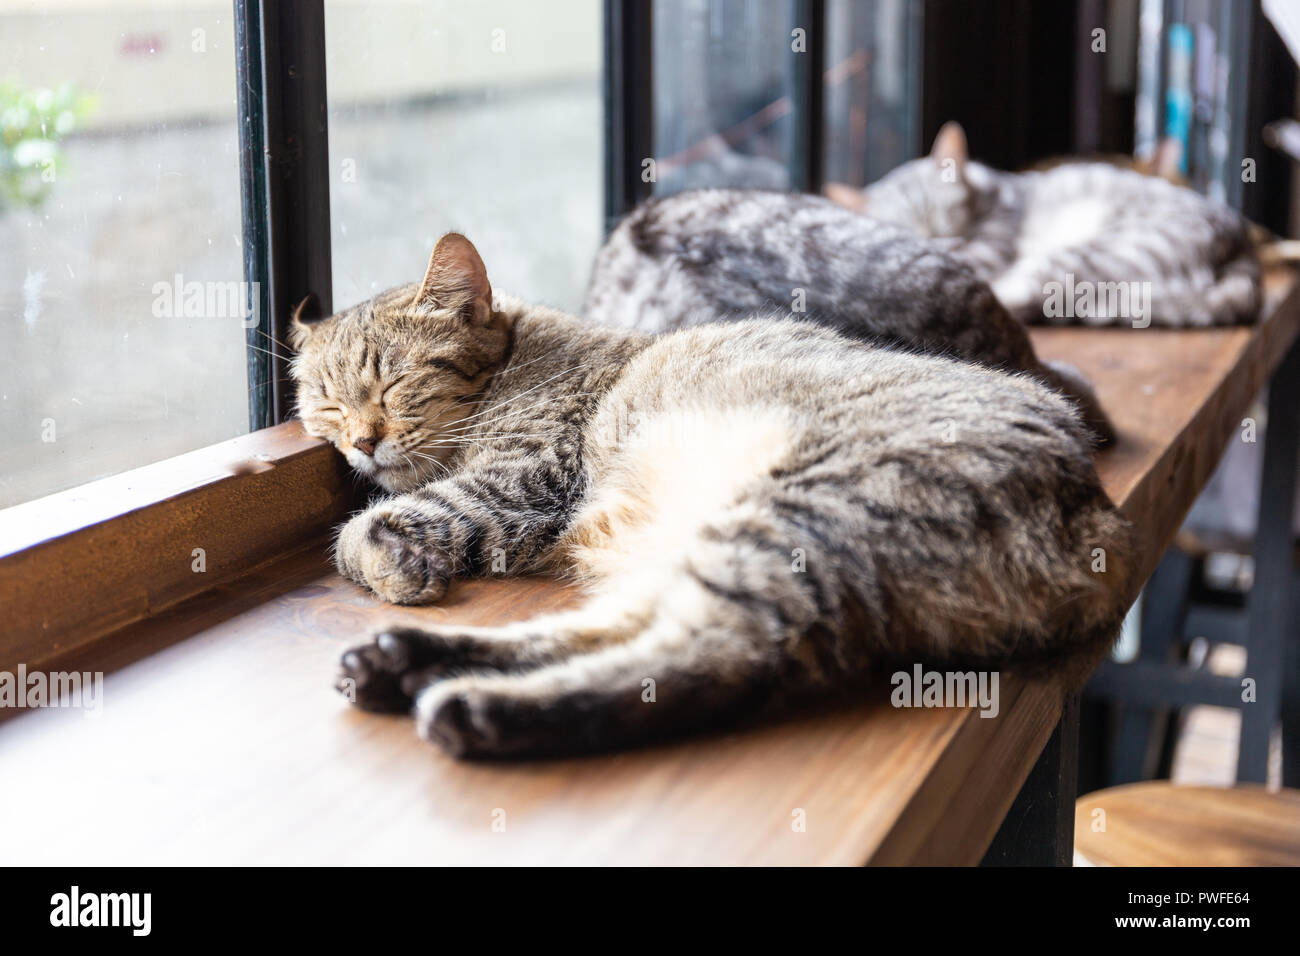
79,565
1191,458
957,808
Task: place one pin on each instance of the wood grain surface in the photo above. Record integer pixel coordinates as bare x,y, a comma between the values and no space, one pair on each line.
1160,824
221,740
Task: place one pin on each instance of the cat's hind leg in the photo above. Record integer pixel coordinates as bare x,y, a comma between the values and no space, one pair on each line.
734,631
387,673
703,608
667,680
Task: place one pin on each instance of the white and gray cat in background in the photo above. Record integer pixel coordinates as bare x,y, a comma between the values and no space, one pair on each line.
1079,243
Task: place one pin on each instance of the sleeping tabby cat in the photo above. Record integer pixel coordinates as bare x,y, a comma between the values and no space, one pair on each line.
763,513
714,255
1032,235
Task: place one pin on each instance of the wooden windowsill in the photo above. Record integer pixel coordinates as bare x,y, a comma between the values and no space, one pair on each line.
222,741
81,564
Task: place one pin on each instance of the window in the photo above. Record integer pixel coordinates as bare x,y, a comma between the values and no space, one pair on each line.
872,88
722,111
120,240
727,95
128,271
134,335
482,118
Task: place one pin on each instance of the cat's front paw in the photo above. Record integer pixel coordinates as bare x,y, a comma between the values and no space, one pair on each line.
388,673
376,551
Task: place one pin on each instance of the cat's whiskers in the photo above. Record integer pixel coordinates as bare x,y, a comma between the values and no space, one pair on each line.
430,458
258,348
480,439
515,398
513,411
268,335
282,378
515,368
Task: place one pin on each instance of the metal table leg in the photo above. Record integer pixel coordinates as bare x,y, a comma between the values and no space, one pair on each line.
1039,827
1270,625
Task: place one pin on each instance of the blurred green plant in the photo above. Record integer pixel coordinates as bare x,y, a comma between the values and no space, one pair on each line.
32,122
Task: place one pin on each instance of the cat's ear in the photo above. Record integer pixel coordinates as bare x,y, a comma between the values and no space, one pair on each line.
950,152
456,281
306,316
850,197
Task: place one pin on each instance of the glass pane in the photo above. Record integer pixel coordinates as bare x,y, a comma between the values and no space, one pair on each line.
723,78
120,240
483,118
873,76
721,84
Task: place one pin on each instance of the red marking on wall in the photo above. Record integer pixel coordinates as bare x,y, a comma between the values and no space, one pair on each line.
142,44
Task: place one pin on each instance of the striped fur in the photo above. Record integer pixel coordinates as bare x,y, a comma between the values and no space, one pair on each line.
715,255
762,514
1095,223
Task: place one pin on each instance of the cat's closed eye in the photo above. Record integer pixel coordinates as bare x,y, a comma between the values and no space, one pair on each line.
421,401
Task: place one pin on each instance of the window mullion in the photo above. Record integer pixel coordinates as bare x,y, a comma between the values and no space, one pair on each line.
284,159
629,104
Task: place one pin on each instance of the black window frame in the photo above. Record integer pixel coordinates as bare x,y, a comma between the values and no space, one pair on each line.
284,176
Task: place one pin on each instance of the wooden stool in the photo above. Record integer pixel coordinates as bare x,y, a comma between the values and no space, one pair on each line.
1159,824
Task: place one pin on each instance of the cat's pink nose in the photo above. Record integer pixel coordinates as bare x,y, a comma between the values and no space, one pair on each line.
367,445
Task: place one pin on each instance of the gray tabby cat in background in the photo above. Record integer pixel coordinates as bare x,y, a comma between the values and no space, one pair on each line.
1074,243
724,254
762,514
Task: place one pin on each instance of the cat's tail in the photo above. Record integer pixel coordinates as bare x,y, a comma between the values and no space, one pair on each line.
1229,294
1072,383
1226,292
1235,296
